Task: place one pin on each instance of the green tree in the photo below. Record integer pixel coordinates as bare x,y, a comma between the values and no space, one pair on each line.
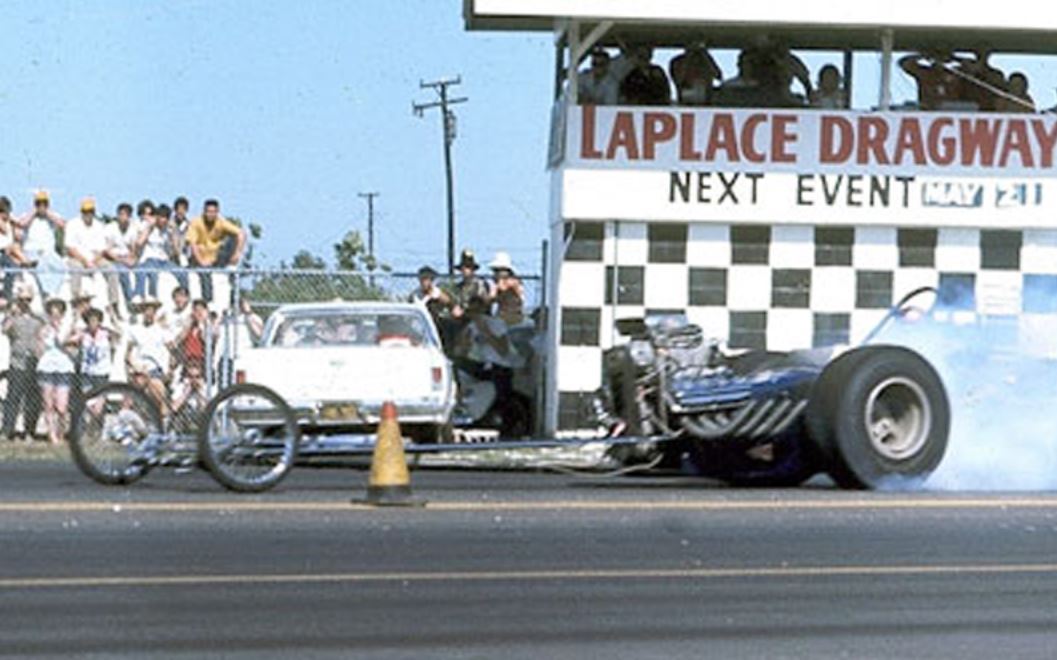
351,254
312,281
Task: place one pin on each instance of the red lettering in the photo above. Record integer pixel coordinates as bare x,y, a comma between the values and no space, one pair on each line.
748,138
941,149
722,137
1047,141
836,140
660,127
686,137
873,133
1017,141
587,134
979,136
781,137
623,137
909,139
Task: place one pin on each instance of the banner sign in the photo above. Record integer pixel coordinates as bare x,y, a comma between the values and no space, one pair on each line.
971,169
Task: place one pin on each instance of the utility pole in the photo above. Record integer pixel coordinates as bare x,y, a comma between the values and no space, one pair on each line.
369,196
371,262
448,125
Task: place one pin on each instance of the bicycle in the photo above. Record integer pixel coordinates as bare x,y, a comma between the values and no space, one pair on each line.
247,439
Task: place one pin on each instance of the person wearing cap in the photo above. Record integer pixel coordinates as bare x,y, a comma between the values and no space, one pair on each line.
86,244
215,242
121,247
429,294
159,249
40,241
22,326
471,293
147,358
55,368
11,256
507,292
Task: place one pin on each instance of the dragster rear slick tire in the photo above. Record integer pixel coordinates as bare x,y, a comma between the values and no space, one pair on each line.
880,417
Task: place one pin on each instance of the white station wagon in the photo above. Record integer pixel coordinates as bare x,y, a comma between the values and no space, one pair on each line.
336,363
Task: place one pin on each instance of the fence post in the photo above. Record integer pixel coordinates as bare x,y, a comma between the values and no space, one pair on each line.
211,384
232,351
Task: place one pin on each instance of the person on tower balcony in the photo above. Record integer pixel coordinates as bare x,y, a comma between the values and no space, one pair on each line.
938,86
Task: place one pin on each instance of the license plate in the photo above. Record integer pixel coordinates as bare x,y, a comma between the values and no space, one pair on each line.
339,412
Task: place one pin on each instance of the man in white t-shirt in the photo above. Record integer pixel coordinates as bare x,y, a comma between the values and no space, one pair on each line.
11,256
178,316
147,358
159,248
121,247
39,229
85,243
598,85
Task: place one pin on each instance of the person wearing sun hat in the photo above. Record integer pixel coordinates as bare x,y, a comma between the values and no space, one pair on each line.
96,342
470,297
22,326
507,292
147,358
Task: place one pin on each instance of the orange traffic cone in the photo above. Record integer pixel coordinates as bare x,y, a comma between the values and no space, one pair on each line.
390,481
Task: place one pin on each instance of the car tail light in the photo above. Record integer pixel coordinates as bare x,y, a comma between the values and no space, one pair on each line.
438,377
240,376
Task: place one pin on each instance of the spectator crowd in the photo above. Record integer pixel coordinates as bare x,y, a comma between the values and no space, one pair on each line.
64,338
770,75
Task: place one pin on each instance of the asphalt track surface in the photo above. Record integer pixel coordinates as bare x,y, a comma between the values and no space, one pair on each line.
516,565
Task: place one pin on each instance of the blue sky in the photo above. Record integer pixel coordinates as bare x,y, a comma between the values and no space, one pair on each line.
285,110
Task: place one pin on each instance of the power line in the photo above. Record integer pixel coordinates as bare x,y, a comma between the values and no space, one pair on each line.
448,126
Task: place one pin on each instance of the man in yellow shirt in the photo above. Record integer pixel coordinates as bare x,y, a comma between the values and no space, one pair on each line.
215,242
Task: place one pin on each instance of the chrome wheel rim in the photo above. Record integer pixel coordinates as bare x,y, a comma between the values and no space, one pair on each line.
898,418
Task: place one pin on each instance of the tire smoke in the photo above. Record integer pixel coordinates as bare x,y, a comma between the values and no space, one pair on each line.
1000,373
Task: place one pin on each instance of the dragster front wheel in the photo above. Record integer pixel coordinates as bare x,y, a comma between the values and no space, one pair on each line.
249,438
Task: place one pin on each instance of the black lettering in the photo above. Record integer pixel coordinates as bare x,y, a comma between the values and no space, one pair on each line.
704,186
831,196
802,181
880,189
679,182
754,177
728,188
854,189
906,181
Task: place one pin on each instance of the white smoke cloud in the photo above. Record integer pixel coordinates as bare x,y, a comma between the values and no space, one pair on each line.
1001,379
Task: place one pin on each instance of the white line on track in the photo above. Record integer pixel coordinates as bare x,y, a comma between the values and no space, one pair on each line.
865,504
97,582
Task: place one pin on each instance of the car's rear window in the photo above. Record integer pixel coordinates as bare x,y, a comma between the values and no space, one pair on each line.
353,329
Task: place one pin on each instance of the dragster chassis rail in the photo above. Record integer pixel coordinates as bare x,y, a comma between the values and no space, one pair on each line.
363,445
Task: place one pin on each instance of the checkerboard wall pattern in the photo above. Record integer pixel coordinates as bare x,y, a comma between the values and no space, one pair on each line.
785,287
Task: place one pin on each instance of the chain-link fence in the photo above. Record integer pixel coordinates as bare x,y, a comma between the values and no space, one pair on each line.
173,332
